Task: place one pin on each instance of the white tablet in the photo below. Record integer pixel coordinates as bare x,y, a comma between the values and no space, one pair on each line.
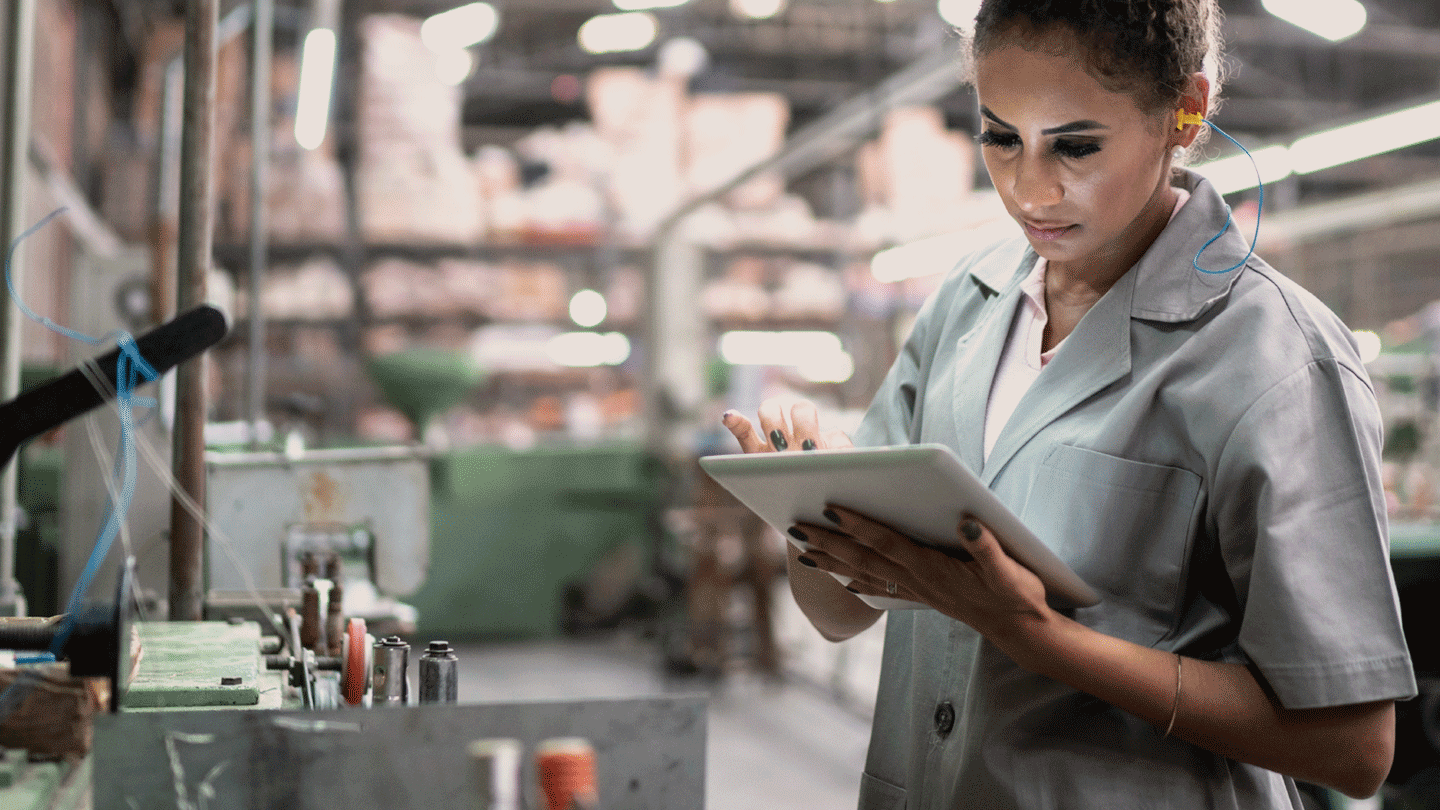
921,490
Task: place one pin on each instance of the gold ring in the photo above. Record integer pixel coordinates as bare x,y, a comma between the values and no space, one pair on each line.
890,588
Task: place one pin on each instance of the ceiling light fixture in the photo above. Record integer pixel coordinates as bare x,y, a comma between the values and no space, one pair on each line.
1327,149
642,5
1373,136
454,66
959,13
587,308
756,9
1332,19
1237,173
317,73
618,33
460,27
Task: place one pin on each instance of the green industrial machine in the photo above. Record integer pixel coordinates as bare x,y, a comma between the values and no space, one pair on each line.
513,532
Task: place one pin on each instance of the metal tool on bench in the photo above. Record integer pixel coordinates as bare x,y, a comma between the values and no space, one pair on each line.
98,642
56,402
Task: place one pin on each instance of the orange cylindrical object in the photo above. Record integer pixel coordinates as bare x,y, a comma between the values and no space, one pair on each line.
566,767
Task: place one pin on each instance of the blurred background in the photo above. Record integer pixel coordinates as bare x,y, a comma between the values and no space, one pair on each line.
493,271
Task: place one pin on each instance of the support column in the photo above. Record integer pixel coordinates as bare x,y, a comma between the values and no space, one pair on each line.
19,76
187,533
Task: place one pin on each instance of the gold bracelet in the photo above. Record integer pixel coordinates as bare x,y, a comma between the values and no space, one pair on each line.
1175,709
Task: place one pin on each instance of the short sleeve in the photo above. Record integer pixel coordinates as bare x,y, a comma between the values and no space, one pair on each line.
1299,510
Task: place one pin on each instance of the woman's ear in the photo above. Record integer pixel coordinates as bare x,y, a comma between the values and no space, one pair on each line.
1194,102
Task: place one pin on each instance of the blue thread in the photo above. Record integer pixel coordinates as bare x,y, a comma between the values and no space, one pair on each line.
130,368
1228,220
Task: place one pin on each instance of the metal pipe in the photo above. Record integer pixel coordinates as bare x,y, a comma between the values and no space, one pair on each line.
19,67
193,263
262,33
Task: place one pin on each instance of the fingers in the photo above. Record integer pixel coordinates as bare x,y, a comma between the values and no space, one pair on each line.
785,423
836,553
882,539
978,542
744,432
850,555
805,426
773,426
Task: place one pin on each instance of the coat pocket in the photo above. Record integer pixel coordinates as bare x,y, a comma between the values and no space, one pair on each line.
877,794
1125,527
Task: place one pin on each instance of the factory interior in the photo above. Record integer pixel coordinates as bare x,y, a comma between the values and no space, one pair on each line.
352,337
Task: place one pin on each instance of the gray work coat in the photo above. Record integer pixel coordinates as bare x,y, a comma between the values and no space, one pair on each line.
1204,449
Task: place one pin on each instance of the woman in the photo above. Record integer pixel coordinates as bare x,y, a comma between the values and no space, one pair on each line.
1192,433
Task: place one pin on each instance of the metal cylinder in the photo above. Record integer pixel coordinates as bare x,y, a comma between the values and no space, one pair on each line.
439,674
389,683
497,772
335,620
309,617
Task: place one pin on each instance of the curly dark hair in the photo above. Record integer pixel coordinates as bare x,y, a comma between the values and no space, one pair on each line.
1148,48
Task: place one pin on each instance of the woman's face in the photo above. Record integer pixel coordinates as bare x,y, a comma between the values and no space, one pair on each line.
1080,167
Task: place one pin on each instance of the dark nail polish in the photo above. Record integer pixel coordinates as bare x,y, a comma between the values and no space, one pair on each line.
797,534
831,516
970,529
778,439
851,590
806,561
808,444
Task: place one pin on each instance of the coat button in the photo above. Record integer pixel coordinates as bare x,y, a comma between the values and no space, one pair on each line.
944,718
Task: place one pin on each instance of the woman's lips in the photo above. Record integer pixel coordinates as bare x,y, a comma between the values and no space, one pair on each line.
1045,232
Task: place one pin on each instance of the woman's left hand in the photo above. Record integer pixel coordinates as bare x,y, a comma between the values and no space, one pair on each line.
978,584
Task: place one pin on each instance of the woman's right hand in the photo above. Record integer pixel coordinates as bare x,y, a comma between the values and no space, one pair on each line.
790,423
786,423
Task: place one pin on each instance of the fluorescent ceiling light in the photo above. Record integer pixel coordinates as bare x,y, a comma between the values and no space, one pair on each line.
588,349
923,257
453,66
1332,19
959,13
829,368
1236,173
587,308
317,72
617,33
1384,133
756,9
642,5
460,27
749,348
1369,345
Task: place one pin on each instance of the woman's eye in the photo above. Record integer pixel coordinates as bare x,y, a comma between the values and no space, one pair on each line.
1004,140
1076,149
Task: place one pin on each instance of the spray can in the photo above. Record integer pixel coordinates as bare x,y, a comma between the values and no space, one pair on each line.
389,683
439,674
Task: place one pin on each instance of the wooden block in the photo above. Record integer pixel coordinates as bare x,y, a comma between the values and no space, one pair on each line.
55,718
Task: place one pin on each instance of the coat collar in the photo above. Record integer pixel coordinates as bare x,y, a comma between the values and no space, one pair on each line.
1167,287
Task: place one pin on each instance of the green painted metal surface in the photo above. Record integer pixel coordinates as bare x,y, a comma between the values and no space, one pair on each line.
510,530
189,664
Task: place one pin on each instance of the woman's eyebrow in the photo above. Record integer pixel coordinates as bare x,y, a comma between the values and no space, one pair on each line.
1073,126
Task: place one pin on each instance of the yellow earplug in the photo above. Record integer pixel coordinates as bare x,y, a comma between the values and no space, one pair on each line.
1182,118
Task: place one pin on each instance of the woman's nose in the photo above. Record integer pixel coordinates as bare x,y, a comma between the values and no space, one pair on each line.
1036,187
